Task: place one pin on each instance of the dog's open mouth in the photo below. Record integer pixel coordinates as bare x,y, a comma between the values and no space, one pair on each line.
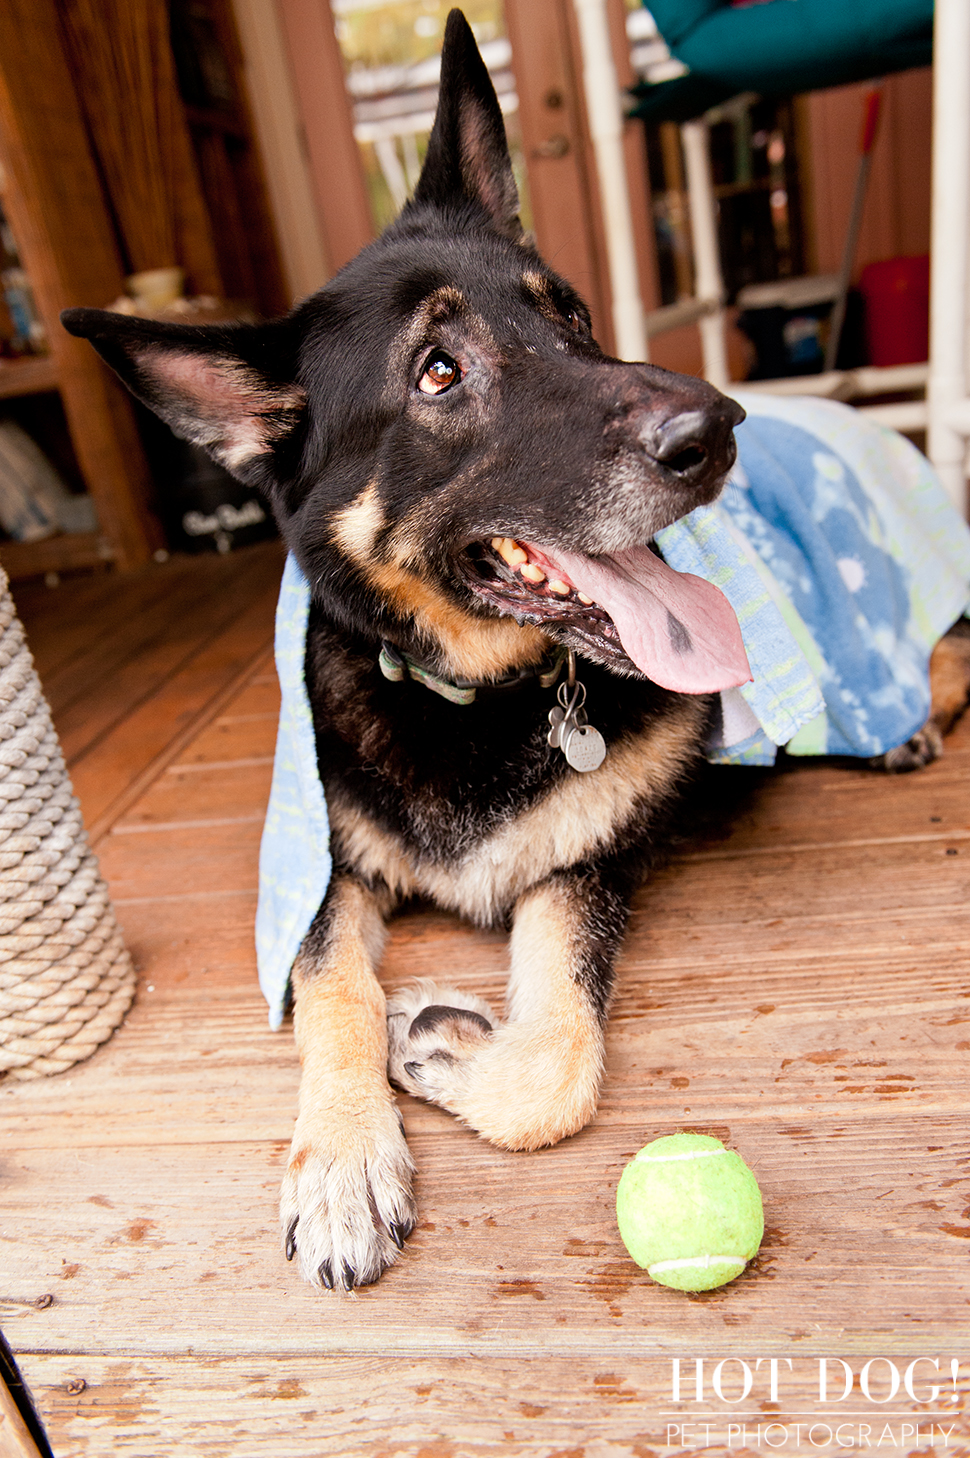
638,613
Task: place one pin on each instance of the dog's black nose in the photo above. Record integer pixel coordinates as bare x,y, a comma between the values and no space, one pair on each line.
679,443
693,441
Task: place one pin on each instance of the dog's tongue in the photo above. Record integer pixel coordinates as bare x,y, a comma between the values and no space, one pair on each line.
678,629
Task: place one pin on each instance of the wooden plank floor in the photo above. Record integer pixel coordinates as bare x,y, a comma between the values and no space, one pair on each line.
799,988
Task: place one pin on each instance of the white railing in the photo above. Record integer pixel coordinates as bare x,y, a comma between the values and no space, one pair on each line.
946,393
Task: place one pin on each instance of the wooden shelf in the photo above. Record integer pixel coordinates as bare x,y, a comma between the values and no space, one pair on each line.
28,376
62,553
68,237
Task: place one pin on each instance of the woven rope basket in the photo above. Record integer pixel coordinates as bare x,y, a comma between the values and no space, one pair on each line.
66,980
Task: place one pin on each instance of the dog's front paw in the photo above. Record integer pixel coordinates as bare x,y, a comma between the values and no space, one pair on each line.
520,1085
346,1206
432,1029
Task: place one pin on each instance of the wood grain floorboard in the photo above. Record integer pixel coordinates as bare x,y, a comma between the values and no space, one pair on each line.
132,641
136,681
442,1407
60,620
85,618
797,986
143,740
511,1255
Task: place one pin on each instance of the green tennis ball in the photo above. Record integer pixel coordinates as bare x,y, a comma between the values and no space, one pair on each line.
689,1212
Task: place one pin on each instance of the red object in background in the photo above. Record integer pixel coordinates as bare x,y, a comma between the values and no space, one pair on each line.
870,120
897,296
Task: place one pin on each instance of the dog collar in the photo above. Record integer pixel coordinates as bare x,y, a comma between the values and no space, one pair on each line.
397,666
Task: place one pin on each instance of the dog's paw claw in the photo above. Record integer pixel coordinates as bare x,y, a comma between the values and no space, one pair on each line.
291,1238
400,1233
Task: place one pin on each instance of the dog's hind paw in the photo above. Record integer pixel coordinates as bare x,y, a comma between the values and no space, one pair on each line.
925,746
346,1207
432,1025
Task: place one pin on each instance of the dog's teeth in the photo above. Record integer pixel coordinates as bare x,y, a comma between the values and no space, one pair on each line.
584,599
510,551
532,573
561,588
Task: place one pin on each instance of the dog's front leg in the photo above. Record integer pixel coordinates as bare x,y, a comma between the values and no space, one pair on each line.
346,1205
535,1078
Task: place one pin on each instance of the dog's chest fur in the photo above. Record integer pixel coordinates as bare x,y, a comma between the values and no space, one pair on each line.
468,805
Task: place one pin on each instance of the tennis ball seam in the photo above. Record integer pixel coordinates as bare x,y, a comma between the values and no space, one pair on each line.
644,1158
700,1262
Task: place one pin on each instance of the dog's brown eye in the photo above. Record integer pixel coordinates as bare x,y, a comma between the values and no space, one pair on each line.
440,373
574,320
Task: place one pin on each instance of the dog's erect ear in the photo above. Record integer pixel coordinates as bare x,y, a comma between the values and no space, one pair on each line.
468,155
228,388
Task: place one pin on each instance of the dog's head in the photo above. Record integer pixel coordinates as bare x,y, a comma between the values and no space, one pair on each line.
455,462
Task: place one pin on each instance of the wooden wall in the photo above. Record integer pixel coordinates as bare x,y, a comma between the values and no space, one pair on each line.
897,216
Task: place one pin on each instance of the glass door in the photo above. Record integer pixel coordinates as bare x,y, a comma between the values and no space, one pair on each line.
391,51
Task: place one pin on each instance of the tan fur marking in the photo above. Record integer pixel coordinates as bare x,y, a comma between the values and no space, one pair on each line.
536,283
370,850
574,821
340,1006
355,528
537,286
949,679
444,302
470,647
558,1088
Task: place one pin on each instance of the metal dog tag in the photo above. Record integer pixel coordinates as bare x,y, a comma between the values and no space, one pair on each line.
582,745
584,748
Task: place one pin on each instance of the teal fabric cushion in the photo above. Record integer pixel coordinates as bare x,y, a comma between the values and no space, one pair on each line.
782,46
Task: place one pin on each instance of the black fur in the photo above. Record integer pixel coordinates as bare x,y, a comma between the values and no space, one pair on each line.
450,774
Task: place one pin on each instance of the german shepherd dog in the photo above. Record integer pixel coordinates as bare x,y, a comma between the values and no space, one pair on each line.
471,487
